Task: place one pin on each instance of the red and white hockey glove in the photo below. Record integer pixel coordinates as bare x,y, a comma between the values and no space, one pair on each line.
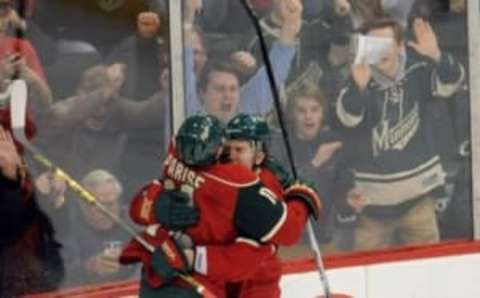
168,260
162,265
307,194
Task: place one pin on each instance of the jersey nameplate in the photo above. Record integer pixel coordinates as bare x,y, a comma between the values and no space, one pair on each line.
181,173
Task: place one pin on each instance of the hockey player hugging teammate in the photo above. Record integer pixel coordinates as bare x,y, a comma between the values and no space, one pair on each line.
229,216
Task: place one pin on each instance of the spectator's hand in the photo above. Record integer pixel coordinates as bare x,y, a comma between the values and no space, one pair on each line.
148,24
27,73
457,6
291,13
116,73
192,7
14,63
342,7
356,200
244,62
104,96
361,74
10,65
10,160
426,43
325,152
50,184
16,21
103,264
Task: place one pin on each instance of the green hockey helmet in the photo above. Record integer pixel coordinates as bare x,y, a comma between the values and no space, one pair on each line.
199,139
249,128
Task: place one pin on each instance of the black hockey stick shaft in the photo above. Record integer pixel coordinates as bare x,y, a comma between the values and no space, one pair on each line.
272,83
312,227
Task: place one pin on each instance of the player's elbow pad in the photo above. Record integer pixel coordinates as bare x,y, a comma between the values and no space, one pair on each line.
259,214
141,208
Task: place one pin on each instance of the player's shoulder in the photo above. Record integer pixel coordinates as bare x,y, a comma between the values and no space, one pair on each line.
269,179
267,174
232,174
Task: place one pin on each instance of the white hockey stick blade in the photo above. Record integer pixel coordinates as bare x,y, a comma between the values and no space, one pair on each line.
18,109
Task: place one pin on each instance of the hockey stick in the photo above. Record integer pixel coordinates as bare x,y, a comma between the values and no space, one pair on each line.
18,108
311,226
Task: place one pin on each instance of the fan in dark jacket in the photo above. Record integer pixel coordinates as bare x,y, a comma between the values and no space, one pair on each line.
317,152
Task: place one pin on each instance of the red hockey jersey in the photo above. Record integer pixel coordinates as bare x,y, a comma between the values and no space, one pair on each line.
236,213
265,281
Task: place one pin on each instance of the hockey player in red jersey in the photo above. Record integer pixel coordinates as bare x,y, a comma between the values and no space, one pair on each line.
247,145
236,213
247,136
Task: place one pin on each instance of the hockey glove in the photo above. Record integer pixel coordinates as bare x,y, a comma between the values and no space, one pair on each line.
174,211
307,194
168,260
160,266
135,252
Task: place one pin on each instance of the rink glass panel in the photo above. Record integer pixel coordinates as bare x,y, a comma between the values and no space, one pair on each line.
328,155
110,110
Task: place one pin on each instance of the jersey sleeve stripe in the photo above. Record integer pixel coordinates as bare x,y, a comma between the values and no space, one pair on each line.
248,241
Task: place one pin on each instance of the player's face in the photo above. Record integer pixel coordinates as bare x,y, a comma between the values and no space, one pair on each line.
221,96
389,63
242,152
308,117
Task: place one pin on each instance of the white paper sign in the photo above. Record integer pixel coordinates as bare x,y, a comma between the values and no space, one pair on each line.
370,49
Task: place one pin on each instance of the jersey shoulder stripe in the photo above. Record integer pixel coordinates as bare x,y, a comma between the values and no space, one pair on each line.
232,175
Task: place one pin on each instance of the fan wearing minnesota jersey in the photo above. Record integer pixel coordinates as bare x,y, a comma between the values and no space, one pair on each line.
385,109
